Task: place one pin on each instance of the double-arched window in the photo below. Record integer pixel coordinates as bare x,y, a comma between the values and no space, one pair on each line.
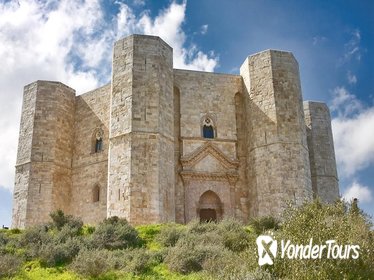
207,128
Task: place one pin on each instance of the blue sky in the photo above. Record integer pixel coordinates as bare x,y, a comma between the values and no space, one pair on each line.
71,41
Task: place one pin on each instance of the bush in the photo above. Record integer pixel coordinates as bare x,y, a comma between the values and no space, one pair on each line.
327,222
235,265
32,240
186,259
204,243
9,265
263,224
93,263
170,234
115,233
59,220
199,228
3,239
135,261
54,244
97,262
55,253
234,236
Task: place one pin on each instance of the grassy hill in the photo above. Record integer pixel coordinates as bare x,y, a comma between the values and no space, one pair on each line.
67,249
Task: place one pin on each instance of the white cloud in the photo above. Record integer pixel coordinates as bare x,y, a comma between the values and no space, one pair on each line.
356,190
352,79
71,41
168,25
353,132
317,40
353,49
344,103
204,29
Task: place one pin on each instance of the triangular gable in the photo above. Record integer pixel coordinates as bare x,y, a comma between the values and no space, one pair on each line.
208,149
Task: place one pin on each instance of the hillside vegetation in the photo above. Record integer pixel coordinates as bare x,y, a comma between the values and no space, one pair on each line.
67,249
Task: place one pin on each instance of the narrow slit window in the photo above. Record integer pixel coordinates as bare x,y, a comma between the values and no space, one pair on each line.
99,145
96,194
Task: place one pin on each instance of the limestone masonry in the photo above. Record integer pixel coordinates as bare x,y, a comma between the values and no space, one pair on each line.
159,144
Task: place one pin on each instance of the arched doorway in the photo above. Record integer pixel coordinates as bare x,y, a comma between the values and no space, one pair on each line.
210,207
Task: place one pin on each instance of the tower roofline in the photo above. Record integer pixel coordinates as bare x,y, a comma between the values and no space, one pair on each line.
144,37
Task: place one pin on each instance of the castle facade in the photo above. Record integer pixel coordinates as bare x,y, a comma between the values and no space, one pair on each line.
159,144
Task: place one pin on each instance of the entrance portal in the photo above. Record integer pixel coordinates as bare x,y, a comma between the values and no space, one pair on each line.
210,207
208,215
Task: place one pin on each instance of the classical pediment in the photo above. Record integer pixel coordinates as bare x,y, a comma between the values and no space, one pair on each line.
208,149
208,162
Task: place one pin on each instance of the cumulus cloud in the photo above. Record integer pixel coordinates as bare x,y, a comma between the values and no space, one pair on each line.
345,104
353,132
71,41
356,190
168,25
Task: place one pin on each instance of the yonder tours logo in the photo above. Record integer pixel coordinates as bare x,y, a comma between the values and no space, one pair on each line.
267,250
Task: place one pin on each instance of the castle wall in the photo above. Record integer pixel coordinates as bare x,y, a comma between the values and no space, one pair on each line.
141,160
43,171
90,168
278,161
209,95
321,151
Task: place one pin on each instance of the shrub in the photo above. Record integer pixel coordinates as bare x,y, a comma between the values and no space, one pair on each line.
9,265
66,232
32,240
93,263
87,229
170,234
135,261
199,228
55,253
263,224
3,239
234,236
115,233
52,244
204,243
15,231
59,220
327,222
186,259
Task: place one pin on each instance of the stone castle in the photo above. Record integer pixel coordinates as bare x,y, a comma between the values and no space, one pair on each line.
159,144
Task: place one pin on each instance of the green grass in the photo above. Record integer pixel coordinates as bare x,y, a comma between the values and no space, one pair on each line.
34,271
148,234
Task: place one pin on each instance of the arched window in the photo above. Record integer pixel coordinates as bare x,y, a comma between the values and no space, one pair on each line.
96,194
98,141
98,145
208,128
